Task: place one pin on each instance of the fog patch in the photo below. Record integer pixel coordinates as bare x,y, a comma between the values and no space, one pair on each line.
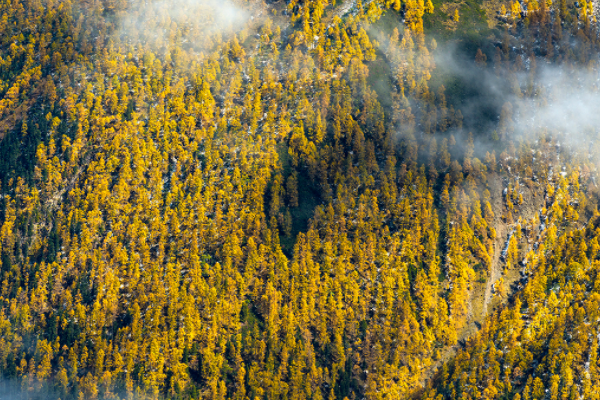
193,24
499,103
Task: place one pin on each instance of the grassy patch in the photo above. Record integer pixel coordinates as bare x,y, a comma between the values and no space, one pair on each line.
388,21
491,8
473,19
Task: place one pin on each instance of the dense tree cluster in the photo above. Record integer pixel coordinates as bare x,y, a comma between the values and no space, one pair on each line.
205,206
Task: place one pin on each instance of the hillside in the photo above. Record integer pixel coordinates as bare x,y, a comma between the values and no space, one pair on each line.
298,200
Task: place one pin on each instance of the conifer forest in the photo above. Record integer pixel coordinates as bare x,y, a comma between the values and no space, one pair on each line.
299,199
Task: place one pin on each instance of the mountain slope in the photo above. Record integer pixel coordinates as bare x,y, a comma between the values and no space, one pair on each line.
247,200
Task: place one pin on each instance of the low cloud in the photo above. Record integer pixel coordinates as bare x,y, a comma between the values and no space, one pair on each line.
192,23
560,99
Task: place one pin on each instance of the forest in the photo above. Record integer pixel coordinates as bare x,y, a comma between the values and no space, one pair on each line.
299,199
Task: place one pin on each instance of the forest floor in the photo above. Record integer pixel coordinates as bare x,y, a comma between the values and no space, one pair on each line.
502,230
339,9
530,207
483,300
345,7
